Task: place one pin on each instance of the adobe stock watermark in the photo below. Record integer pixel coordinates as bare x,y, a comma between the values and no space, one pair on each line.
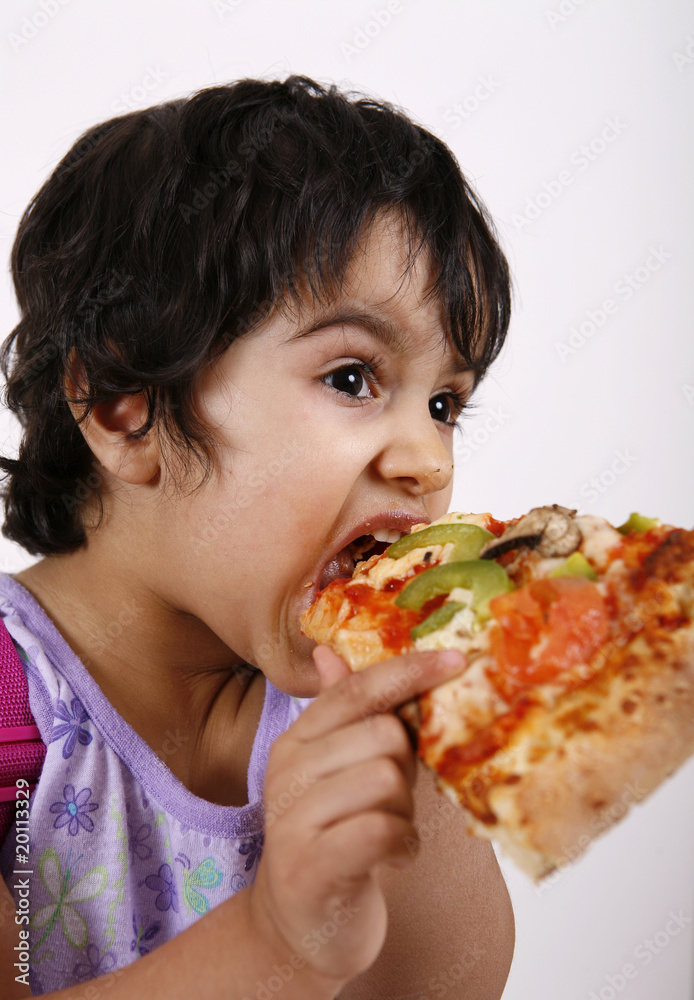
249,489
128,612
310,945
688,392
108,289
449,808
580,159
603,820
563,11
452,977
403,166
274,808
467,106
622,291
644,954
686,57
397,692
592,489
235,169
141,92
487,424
32,24
224,7
371,29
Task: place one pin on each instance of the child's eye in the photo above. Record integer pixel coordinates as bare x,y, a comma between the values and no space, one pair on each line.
446,407
351,379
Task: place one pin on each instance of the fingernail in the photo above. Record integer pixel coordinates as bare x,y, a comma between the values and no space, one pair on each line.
451,659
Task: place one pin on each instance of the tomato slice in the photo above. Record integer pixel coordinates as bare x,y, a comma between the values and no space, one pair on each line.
543,629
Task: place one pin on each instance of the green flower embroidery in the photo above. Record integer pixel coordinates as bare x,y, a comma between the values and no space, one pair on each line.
66,897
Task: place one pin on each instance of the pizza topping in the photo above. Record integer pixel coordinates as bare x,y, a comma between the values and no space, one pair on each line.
544,629
637,522
467,540
484,579
437,619
575,565
552,531
600,540
381,572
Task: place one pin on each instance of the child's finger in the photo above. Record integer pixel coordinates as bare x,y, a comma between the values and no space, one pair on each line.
329,666
363,841
377,689
363,788
378,736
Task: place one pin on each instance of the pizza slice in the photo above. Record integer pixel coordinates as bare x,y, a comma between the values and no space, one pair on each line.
578,696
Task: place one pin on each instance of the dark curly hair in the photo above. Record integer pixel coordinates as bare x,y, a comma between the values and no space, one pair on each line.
166,233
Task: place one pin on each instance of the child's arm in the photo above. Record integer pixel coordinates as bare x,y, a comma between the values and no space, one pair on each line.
223,955
315,915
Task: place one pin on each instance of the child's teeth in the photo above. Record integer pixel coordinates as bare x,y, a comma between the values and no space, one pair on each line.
387,535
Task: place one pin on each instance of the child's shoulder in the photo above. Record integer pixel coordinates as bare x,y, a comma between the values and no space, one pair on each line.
106,807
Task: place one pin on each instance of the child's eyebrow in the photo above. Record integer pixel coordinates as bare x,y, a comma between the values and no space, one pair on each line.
393,337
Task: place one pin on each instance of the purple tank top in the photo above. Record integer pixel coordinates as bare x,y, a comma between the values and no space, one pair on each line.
121,855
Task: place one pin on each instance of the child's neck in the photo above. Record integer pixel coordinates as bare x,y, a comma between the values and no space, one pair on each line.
164,672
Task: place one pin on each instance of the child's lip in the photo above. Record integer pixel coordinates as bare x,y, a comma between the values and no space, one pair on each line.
395,520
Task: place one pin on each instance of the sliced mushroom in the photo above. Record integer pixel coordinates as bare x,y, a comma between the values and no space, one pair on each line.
552,531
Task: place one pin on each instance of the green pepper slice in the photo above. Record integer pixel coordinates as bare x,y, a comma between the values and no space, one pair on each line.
467,538
637,522
575,565
484,578
437,619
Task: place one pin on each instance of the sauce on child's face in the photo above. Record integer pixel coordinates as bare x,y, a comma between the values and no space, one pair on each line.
321,427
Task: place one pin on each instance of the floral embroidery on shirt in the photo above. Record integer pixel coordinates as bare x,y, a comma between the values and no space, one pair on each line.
96,964
163,883
238,882
144,929
205,876
253,848
136,843
66,897
72,811
71,725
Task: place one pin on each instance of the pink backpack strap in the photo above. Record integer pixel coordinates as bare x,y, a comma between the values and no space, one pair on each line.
21,749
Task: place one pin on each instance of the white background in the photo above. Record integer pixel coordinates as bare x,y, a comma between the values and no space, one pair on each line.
536,81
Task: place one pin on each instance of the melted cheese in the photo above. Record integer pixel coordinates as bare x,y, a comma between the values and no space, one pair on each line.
599,538
463,705
380,570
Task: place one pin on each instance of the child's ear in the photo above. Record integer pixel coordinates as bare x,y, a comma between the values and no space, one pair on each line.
107,427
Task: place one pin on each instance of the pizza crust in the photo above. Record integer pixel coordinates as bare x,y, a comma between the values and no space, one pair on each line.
568,774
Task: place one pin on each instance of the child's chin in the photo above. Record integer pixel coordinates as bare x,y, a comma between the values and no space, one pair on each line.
295,672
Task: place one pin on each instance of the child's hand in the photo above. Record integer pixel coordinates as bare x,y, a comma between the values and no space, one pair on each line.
338,799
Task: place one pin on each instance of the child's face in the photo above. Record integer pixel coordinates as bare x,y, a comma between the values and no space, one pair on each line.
323,437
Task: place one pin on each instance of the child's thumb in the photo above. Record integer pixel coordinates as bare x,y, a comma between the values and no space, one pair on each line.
330,667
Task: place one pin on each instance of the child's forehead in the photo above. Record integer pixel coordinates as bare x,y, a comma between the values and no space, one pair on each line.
384,287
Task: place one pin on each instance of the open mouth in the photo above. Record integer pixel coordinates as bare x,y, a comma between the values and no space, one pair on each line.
343,564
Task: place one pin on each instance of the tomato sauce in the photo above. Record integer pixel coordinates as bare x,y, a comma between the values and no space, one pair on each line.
393,623
456,760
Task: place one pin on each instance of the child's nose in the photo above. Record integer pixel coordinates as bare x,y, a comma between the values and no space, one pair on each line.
417,455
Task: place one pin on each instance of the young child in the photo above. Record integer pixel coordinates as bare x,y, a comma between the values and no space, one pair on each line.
249,322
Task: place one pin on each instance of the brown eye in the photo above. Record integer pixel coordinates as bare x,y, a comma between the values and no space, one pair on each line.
440,409
349,380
